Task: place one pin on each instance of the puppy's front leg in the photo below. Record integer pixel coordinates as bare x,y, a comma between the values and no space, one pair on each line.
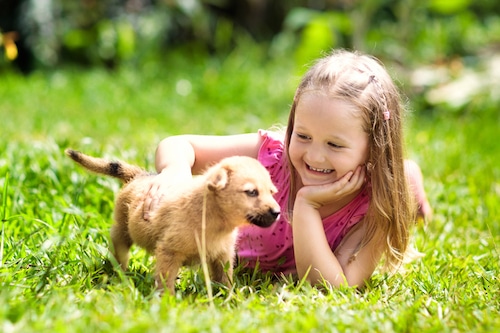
217,271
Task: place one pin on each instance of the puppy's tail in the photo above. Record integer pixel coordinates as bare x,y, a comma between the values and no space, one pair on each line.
120,170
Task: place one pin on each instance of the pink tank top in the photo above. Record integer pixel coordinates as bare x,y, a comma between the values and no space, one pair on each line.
272,248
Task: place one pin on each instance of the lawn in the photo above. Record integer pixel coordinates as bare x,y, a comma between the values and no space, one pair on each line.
54,272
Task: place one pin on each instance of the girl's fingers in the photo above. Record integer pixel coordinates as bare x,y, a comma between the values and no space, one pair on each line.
347,184
351,181
358,179
150,200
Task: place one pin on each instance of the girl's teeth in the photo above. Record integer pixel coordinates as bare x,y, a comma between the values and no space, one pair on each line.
320,170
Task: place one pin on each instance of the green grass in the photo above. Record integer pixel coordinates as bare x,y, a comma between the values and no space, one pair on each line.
55,274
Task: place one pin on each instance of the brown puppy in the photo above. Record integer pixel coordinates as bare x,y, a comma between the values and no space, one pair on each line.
236,191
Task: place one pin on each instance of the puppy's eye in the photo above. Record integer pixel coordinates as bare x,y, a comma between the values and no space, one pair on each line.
252,193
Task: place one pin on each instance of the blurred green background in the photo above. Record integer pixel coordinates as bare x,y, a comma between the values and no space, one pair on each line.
115,32
444,51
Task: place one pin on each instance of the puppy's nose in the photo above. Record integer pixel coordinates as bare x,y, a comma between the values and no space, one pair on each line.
274,213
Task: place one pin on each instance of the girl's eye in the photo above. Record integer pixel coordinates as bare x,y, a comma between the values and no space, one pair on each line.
302,136
333,145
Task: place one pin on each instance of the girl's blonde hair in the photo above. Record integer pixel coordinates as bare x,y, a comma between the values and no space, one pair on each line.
363,81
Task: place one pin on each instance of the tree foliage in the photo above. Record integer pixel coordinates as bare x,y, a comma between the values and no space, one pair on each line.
112,32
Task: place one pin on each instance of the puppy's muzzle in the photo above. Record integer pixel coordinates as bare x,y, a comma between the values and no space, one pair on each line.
265,219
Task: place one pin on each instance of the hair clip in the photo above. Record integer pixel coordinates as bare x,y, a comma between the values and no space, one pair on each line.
387,115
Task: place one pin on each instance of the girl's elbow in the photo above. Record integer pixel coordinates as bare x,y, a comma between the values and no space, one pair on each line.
334,279
339,280
316,278
357,280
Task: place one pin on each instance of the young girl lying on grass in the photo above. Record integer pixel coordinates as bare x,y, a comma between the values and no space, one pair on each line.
348,195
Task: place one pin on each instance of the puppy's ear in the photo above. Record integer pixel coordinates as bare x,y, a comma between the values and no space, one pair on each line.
218,179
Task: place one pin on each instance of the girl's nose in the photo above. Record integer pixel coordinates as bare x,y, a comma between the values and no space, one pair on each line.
315,155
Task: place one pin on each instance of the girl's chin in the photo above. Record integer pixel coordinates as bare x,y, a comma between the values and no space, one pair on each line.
316,182
308,178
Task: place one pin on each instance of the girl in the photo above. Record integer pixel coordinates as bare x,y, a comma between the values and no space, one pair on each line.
339,170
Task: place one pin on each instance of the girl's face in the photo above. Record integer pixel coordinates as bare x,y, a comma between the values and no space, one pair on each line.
327,140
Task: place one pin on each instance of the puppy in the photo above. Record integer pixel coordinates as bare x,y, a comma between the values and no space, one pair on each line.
236,191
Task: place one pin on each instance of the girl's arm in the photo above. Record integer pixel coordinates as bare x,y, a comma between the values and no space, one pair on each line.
179,157
313,254
200,151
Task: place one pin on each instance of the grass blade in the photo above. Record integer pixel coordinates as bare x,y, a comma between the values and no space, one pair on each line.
4,217
202,249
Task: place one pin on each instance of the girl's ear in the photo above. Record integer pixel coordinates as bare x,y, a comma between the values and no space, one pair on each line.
217,180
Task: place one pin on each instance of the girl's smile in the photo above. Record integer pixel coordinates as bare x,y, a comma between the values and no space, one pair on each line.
326,171
328,139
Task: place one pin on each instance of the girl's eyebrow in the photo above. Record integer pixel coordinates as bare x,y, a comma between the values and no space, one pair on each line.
331,137
299,126
339,139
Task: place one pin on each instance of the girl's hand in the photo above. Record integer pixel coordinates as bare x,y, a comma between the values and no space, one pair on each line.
159,185
322,195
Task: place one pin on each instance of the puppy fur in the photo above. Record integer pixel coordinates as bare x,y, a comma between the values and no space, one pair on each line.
238,191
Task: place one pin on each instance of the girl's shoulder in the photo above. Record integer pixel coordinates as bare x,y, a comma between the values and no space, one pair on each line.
275,134
272,147
271,155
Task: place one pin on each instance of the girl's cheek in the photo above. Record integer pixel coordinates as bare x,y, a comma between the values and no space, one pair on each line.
292,152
